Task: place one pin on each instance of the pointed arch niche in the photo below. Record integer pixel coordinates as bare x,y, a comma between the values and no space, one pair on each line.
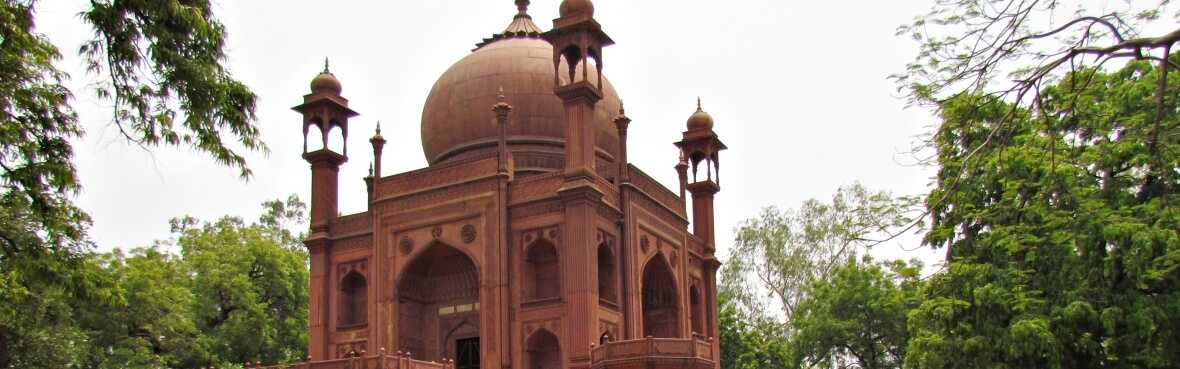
608,281
438,304
661,311
542,351
542,272
696,311
353,302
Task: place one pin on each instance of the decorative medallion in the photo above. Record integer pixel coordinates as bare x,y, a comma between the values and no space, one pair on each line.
553,234
644,244
468,233
406,245
528,237
436,232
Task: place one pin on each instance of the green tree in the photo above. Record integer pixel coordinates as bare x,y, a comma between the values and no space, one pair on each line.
218,294
1060,224
251,292
160,65
747,344
780,253
146,321
857,317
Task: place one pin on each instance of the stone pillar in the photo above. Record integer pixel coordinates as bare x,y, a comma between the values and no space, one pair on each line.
702,210
318,307
578,100
325,169
581,198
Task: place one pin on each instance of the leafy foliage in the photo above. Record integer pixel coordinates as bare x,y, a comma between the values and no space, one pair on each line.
856,318
1011,49
781,252
749,344
164,74
234,293
1062,229
164,61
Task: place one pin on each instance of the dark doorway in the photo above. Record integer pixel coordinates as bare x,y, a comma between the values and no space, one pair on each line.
467,353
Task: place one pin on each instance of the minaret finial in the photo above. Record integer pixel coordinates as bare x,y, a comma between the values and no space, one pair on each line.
501,96
622,111
699,103
378,128
326,65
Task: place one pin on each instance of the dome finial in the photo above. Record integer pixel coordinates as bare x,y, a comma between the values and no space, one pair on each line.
522,7
326,82
700,120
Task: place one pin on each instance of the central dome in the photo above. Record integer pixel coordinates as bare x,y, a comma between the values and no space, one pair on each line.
458,122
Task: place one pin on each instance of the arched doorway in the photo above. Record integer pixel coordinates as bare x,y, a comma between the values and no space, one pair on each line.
661,311
438,306
542,351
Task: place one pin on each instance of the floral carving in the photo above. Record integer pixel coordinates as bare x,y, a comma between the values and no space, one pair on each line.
406,245
468,233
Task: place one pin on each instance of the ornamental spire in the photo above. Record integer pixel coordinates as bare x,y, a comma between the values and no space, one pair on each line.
522,26
522,8
326,71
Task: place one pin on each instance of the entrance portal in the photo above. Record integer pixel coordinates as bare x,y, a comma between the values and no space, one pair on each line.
438,302
467,353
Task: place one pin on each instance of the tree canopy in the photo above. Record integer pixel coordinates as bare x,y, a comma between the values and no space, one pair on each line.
161,66
1062,231
780,252
856,318
217,293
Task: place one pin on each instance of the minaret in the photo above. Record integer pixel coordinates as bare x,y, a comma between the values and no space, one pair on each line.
622,122
502,109
576,37
701,145
324,109
378,145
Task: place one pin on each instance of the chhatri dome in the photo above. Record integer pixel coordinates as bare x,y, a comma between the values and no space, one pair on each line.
326,82
456,122
700,120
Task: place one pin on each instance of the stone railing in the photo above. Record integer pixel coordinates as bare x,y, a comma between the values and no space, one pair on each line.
383,361
687,352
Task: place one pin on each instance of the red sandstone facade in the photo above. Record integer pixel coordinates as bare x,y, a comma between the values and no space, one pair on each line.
529,241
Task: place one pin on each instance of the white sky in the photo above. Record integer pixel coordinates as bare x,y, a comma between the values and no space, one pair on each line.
798,90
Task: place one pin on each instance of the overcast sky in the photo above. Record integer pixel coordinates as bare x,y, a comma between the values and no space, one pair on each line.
798,90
